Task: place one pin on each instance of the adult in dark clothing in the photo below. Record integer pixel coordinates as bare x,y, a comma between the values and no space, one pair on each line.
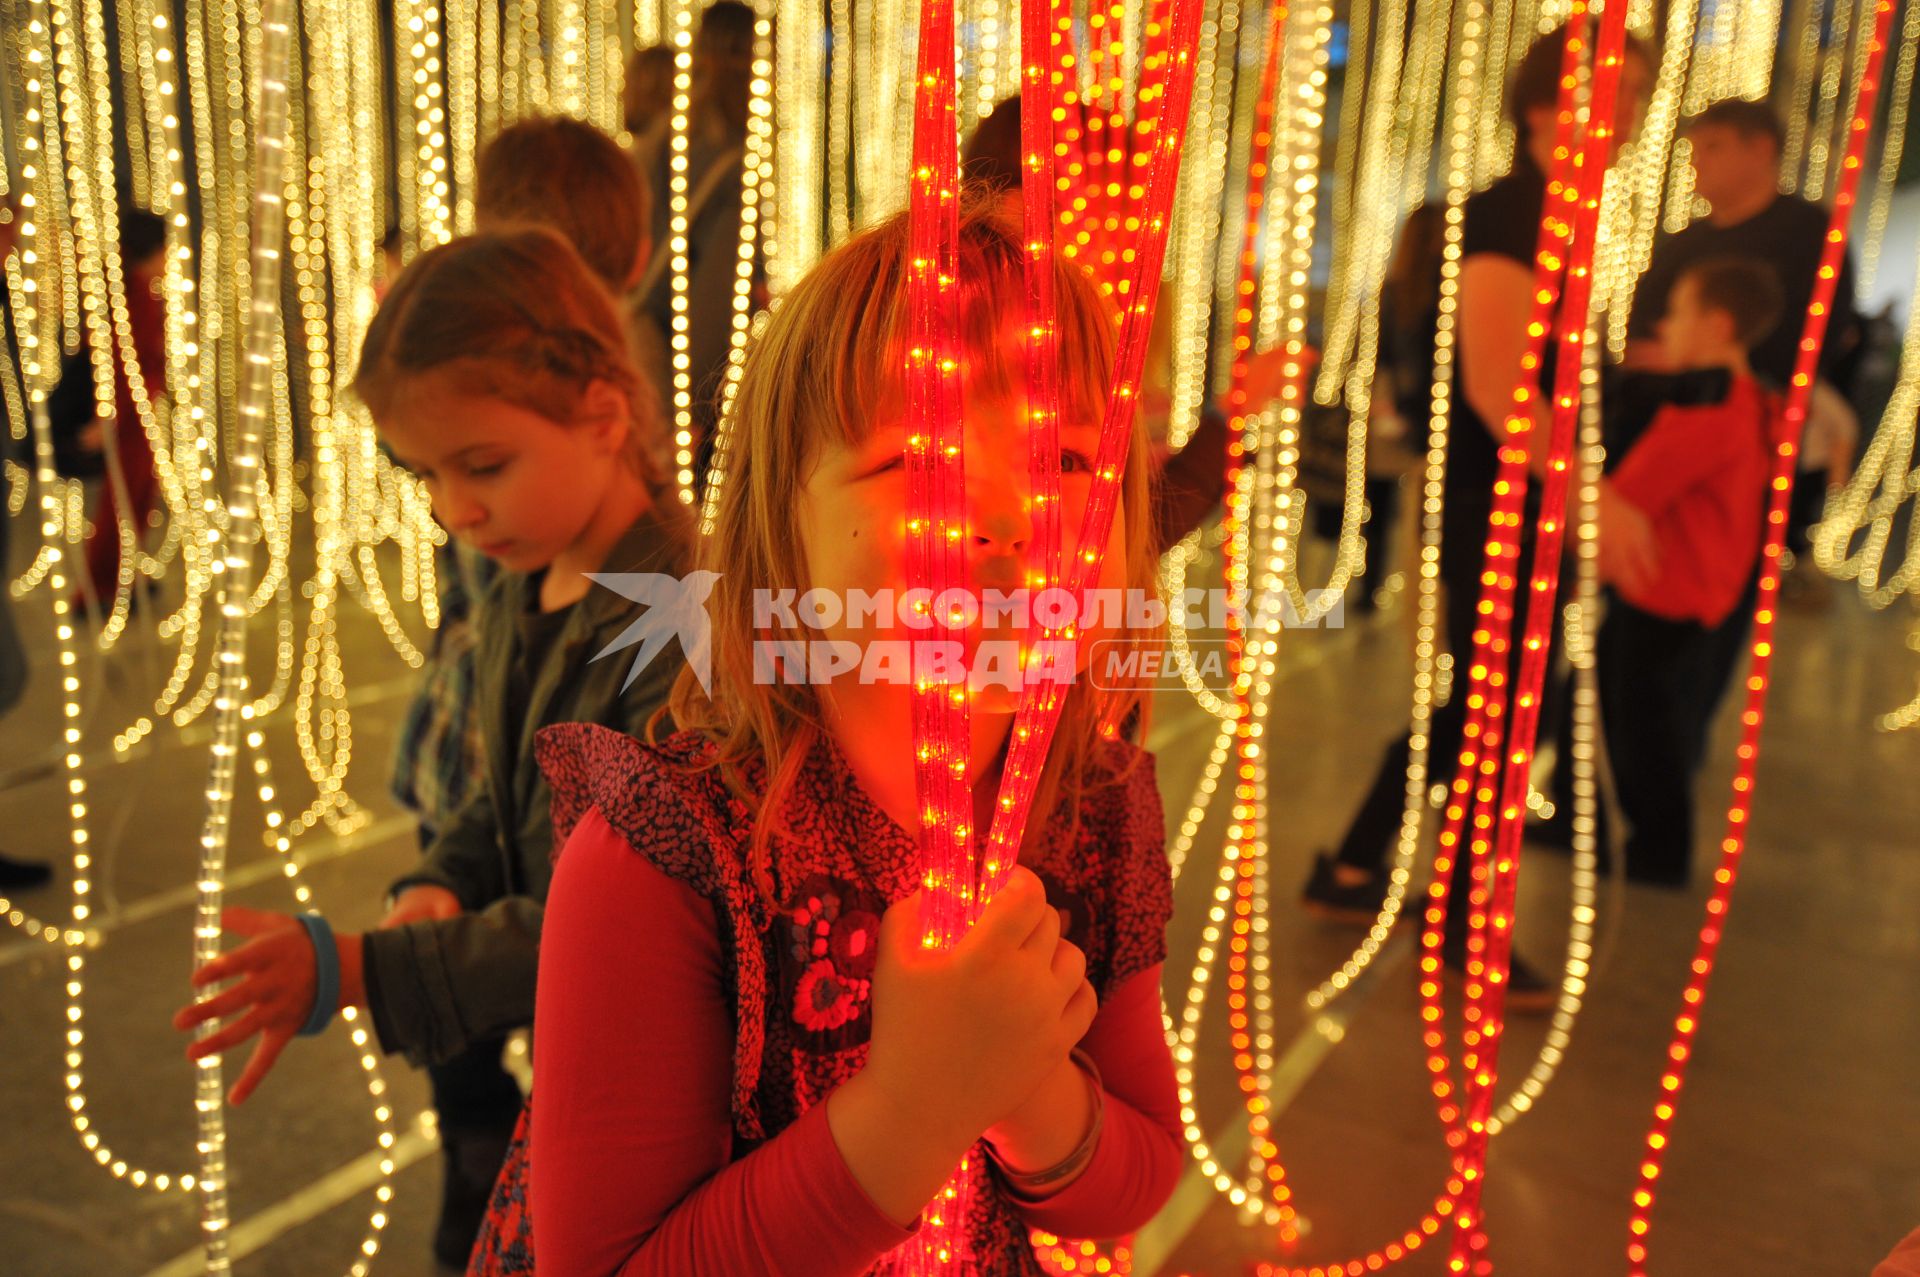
1500,232
1736,147
716,149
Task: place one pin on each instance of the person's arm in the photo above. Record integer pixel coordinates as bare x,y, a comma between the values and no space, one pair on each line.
1137,1160
1678,451
1192,481
436,986
632,1121
464,857
1496,300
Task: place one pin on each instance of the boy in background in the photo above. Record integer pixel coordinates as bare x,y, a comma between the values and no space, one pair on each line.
1699,474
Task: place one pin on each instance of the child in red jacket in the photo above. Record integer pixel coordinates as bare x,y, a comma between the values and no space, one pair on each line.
1699,474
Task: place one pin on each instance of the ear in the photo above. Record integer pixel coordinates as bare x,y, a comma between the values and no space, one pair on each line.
605,412
1542,120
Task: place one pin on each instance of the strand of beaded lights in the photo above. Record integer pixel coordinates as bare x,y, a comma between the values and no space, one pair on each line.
1892,148
1248,538
239,538
935,532
755,194
1851,540
1843,24
1804,22
102,1154
1169,97
25,291
1197,220
680,23
1462,116
1733,845
1497,844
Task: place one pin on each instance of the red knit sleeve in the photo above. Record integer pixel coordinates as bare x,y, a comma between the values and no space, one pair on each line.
632,1125
1137,1162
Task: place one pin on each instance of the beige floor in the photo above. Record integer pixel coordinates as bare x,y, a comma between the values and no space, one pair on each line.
1797,1153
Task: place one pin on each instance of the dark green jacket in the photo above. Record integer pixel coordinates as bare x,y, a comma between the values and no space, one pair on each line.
439,986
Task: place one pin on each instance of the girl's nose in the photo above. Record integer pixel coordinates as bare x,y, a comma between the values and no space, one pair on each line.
999,520
457,510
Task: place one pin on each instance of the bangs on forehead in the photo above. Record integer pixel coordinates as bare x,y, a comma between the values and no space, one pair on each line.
873,342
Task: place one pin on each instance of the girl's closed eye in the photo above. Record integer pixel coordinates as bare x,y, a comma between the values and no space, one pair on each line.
893,461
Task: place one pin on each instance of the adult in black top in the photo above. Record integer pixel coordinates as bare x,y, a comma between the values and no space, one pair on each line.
1736,148
1499,236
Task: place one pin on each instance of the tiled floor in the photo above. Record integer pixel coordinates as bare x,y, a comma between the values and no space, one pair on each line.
1797,1153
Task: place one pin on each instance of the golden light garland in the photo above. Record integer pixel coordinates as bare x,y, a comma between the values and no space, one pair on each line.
680,22
1852,539
839,164
1892,147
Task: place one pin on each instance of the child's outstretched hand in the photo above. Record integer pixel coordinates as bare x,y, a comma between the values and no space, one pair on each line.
273,995
960,1039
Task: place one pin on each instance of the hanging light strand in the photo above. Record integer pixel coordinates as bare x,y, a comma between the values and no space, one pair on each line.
1813,335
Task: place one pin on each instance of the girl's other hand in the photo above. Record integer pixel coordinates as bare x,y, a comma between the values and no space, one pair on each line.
969,1033
419,903
273,995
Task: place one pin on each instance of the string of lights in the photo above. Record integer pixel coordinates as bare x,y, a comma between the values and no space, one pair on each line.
1892,148
1852,538
1686,1025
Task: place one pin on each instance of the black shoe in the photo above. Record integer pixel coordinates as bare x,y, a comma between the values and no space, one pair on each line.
1355,904
23,875
1528,992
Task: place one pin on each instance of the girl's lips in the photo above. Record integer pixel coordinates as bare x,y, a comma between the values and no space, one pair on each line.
495,549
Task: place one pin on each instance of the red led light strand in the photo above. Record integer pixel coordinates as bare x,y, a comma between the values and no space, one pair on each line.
1042,42
1108,155
1686,1025
1039,709
1500,843
936,516
936,496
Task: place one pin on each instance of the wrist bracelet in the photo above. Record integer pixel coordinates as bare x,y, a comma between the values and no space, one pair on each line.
326,971
1036,1185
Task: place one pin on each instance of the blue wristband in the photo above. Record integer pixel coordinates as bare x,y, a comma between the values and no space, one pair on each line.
326,971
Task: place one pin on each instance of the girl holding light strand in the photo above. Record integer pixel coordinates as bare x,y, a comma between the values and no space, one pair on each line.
747,1061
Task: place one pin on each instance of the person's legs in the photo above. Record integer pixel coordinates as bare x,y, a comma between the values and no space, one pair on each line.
1370,839
1383,503
1650,673
478,1104
136,479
